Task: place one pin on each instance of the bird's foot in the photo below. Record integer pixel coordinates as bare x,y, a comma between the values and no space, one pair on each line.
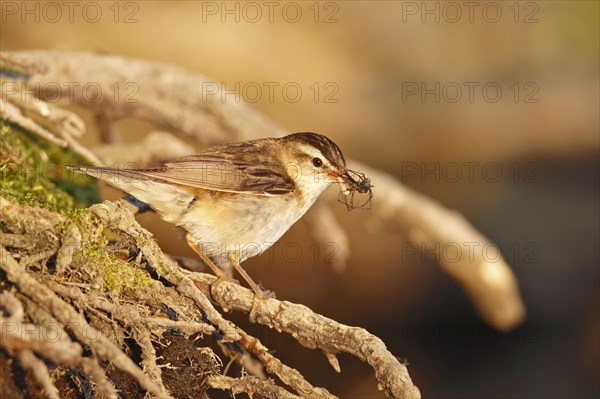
258,291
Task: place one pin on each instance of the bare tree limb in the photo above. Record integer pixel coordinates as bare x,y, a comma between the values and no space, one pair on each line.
66,314
249,384
24,339
314,331
40,372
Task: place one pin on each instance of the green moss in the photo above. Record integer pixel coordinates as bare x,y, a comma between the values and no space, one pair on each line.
31,172
117,273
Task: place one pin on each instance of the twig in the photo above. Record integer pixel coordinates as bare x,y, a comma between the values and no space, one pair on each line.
18,338
36,257
81,329
40,372
12,114
12,306
249,384
22,241
148,363
288,375
174,99
90,366
130,315
314,331
70,241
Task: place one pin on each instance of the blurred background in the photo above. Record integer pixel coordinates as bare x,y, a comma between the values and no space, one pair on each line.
491,108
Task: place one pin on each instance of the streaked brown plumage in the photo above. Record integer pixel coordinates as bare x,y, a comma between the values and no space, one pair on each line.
236,200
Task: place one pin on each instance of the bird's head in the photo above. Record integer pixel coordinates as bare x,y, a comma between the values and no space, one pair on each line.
315,162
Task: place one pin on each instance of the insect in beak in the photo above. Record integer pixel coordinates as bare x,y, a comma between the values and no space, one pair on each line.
348,184
354,182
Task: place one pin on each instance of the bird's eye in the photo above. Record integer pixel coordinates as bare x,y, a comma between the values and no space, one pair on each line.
317,162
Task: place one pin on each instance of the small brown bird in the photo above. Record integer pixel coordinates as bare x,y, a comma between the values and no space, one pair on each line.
236,200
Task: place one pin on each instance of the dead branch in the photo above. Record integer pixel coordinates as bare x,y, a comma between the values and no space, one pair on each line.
65,314
314,331
249,384
40,372
42,317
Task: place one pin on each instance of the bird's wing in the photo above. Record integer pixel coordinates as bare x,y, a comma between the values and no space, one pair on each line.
246,168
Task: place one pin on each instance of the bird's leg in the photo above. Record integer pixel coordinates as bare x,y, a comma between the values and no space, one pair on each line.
215,269
234,257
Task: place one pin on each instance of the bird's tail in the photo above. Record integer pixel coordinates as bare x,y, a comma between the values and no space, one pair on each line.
167,199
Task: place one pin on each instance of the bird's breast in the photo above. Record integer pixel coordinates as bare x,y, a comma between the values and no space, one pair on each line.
241,223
